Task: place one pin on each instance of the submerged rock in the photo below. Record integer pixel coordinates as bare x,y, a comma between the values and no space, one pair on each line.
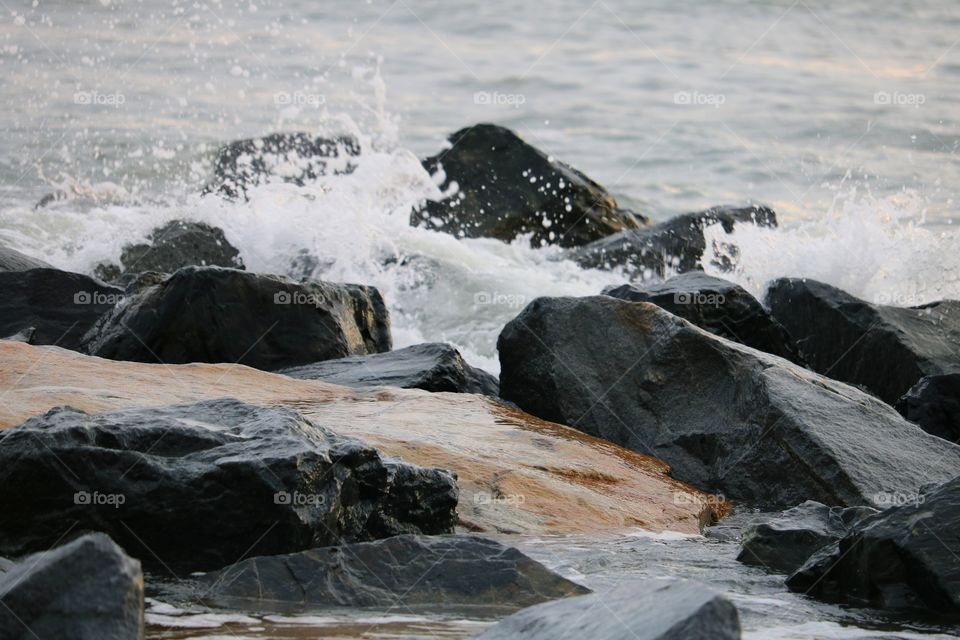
294,158
433,366
721,307
934,404
674,246
650,610
505,188
782,545
210,314
902,558
59,306
88,589
884,349
198,486
404,571
13,260
726,418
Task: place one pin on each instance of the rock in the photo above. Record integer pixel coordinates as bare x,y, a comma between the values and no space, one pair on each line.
721,307
211,314
177,244
902,558
27,335
881,348
649,610
674,246
88,589
516,473
433,366
727,418
506,188
404,571
782,545
294,158
13,260
934,404
59,306
197,486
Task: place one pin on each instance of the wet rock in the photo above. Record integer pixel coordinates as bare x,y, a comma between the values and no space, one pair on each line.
880,348
211,314
649,610
295,158
721,307
433,366
198,486
934,404
783,544
88,589
13,260
727,418
177,244
404,571
506,188
674,246
903,558
59,306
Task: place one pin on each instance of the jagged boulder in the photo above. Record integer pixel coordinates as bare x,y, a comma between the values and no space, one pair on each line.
934,404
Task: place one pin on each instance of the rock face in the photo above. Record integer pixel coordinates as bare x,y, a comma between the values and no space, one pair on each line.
403,571
718,306
286,157
934,404
727,418
902,558
198,486
88,589
674,246
507,188
649,610
432,366
177,244
881,348
13,260
784,544
210,314
60,306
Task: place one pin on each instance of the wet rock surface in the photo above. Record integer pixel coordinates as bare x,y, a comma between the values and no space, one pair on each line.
934,404
13,260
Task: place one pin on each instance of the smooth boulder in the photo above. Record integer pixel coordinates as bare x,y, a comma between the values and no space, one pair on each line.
59,306
212,314
198,486
934,404
649,610
504,187
433,366
727,418
904,558
883,349
719,306
87,589
13,260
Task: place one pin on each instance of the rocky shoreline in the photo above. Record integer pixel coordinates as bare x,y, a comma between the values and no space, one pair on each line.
254,443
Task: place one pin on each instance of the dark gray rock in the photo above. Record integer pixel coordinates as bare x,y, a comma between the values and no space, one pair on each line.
883,349
934,404
727,418
59,306
13,260
783,544
88,589
721,307
403,571
211,314
902,558
674,246
294,158
649,610
199,486
508,188
433,366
